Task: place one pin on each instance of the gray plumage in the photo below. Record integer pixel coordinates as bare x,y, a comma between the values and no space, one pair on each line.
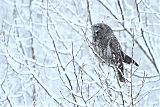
108,48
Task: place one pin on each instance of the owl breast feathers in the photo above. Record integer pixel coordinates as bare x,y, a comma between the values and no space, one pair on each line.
108,48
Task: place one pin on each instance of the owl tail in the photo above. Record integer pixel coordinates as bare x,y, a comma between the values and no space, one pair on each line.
127,59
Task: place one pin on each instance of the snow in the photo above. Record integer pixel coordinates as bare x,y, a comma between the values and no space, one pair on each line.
46,58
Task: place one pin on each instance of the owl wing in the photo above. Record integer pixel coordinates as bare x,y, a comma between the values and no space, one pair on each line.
117,57
115,49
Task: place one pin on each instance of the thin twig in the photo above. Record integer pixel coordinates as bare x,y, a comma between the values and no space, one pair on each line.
153,60
89,13
131,74
53,39
122,14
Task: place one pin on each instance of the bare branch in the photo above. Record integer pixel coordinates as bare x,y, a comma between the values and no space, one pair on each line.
89,12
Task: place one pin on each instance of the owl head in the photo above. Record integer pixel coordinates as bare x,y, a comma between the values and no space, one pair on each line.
100,30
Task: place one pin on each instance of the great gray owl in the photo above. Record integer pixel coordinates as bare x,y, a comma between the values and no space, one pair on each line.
108,48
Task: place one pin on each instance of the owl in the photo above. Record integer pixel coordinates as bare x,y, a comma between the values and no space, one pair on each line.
108,49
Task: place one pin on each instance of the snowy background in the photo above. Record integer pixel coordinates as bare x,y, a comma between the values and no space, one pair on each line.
46,59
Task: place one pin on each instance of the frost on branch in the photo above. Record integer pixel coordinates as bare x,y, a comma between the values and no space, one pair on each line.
46,56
